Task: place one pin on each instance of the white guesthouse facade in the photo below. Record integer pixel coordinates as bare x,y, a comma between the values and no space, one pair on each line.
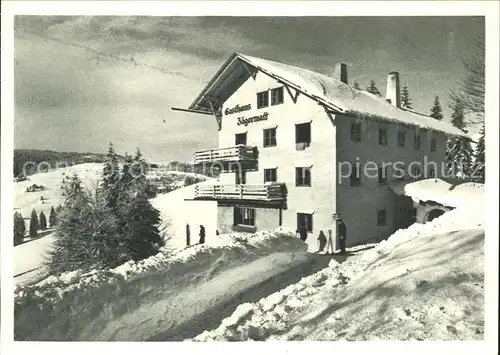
298,148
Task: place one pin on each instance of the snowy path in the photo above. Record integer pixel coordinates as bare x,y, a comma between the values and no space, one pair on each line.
212,317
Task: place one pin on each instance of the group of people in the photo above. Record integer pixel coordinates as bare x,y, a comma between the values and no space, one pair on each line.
341,232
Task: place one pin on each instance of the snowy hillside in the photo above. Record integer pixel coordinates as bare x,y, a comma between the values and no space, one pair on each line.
156,296
425,282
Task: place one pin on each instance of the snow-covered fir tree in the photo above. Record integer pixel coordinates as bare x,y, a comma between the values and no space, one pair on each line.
34,224
405,98
372,88
43,221
52,217
436,110
459,153
19,228
479,162
356,85
111,177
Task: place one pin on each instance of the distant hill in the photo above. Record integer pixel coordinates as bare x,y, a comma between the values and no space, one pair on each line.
27,161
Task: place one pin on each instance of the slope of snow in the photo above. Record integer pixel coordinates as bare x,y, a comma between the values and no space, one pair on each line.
138,300
425,282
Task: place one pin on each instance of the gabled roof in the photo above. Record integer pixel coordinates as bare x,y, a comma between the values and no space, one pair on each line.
330,92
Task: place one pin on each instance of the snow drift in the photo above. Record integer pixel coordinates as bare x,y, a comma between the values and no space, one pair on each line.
138,300
424,282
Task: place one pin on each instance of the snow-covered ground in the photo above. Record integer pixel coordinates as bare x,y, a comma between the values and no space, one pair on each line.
424,282
156,296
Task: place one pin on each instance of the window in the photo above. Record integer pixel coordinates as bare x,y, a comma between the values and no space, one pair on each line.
262,99
270,137
270,175
302,177
306,220
303,133
432,172
415,171
382,175
381,218
399,171
356,132
382,136
277,96
244,216
416,141
433,145
355,176
402,139
240,138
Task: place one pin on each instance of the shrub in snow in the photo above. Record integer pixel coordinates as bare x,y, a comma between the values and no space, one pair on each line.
43,221
34,224
19,228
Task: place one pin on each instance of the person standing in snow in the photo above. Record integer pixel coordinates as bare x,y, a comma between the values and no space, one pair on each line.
322,241
188,235
342,232
302,232
202,234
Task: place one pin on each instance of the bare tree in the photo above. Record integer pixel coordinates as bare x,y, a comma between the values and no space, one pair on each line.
472,88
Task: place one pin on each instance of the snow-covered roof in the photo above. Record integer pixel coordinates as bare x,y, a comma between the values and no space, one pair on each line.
328,91
440,191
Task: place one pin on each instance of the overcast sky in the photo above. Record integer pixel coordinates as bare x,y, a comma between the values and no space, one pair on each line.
69,98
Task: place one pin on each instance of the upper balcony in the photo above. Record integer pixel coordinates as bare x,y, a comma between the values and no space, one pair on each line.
239,153
274,192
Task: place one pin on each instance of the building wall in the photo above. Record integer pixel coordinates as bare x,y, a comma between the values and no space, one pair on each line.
265,219
358,205
318,199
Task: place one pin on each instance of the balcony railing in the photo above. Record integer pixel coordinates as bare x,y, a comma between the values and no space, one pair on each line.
270,193
229,154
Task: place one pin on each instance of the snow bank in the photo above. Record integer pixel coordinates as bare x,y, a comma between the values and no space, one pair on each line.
138,300
440,191
424,282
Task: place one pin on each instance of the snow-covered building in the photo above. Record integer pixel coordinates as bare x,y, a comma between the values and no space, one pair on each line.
300,148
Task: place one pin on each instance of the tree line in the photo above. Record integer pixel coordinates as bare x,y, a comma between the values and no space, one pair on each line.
37,222
52,158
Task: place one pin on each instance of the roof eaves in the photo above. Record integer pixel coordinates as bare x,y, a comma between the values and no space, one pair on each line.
217,75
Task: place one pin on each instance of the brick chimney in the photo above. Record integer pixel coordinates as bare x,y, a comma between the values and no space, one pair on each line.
341,72
393,92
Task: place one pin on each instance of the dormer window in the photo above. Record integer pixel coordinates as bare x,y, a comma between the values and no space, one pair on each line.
262,99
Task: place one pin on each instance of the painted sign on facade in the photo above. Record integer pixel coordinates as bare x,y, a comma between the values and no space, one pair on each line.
246,121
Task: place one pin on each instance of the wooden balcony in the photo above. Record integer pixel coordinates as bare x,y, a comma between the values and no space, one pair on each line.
275,192
239,153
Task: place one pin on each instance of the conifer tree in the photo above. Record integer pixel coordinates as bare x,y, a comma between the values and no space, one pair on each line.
43,221
405,98
111,177
356,86
19,228
34,224
372,88
52,217
479,162
436,110
87,236
459,151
